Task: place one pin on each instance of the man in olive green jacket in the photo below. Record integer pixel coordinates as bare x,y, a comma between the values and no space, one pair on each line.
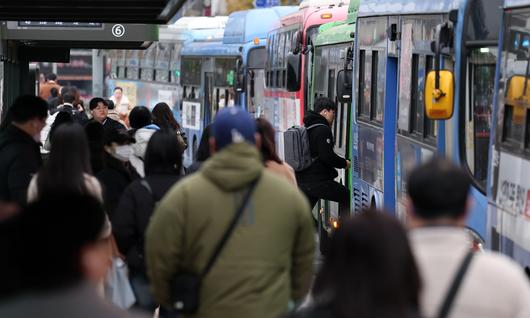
267,260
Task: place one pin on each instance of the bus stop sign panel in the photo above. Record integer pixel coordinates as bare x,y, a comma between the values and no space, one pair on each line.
82,35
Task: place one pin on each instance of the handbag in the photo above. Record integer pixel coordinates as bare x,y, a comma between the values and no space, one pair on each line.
117,287
186,286
182,139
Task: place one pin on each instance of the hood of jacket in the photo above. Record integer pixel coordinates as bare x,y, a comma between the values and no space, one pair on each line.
312,118
234,167
142,137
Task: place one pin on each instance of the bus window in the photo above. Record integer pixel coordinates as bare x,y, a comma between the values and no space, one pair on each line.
373,95
147,63
479,104
224,72
362,95
365,83
416,109
405,78
255,89
379,93
320,66
191,71
174,64
132,62
310,35
430,125
416,61
121,72
120,63
256,80
331,84
279,61
163,59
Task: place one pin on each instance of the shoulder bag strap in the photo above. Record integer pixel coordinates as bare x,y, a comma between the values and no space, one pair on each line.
455,285
229,230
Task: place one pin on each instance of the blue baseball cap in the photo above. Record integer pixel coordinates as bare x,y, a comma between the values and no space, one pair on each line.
233,125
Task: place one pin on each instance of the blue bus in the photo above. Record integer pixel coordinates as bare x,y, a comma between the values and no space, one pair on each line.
226,72
398,43
509,181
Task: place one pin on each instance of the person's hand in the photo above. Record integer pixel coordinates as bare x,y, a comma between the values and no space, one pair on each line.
348,164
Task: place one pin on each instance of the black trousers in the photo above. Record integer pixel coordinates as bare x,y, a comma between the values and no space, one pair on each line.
326,190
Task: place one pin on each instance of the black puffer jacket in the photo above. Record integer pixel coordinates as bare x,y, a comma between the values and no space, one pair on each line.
321,146
114,178
19,160
131,217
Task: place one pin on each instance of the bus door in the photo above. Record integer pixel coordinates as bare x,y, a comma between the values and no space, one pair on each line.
336,58
209,102
329,60
224,94
191,112
256,81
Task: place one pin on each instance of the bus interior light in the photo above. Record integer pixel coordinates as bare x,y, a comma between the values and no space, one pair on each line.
484,50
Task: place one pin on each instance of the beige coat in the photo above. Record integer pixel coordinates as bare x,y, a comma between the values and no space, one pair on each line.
494,285
283,169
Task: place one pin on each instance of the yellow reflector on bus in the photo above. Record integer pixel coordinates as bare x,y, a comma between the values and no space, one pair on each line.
256,41
326,16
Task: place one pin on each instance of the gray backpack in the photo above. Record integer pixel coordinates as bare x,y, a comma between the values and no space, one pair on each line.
296,147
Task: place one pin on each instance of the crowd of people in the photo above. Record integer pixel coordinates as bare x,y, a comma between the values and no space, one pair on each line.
230,236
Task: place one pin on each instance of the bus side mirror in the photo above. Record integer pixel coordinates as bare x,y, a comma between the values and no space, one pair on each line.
439,85
518,90
294,62
439,100
344,86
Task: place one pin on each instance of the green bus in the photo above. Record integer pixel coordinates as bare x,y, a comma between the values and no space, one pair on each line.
331,77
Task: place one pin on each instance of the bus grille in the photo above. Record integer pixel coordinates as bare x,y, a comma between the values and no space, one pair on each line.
360,200
356,166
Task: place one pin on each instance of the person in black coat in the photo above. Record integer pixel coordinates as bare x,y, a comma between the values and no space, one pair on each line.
95,133
317,181
117,172
163,161
19,147
100,111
